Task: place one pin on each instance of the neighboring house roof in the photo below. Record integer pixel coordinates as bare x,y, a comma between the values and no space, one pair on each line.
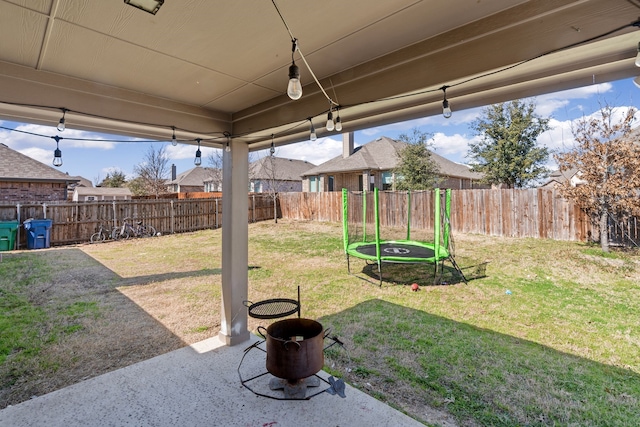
103,191
382,154
284,169
15,166
559,177
82,182
195,176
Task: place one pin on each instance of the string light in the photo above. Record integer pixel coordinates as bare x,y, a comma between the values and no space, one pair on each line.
174,141
272,150
312,135
61,125
57,154
338,121
330,124
294,89
198,160
228,147
446,108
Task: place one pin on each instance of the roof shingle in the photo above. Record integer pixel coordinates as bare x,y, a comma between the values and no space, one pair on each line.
15,166
382,154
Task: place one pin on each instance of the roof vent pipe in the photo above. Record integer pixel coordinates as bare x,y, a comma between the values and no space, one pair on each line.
347,144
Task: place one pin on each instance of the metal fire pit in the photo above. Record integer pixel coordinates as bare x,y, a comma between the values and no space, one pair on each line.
294,351
294,348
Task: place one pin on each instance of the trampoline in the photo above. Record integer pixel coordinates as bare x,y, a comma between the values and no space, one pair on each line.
363,238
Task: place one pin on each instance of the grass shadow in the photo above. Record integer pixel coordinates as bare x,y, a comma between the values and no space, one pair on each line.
421,273
67,321
411,359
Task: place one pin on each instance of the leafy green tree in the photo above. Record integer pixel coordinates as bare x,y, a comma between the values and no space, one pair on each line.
416,169
137,187
114,179
606,157
508,152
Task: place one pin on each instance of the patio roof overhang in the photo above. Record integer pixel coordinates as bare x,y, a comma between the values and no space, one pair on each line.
210,68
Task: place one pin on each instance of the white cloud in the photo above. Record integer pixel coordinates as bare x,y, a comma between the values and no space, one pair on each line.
40,154
550,103
453,147
31,135
316,152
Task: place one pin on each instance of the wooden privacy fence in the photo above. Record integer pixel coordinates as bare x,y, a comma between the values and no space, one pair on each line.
75,222
539,213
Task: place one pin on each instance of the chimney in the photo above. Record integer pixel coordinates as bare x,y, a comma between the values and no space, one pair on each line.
173,172
347,144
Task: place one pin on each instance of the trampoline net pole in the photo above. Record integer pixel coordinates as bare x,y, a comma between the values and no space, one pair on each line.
447,219
436,224
409,215
345,219
377,222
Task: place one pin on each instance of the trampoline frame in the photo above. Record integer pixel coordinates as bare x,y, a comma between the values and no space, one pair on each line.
391,251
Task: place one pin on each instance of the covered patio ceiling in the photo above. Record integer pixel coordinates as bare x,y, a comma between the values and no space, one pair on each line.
213,68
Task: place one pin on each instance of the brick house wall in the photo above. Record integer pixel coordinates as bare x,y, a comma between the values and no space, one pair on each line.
17,191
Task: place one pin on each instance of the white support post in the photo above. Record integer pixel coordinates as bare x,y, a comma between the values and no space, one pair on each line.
235,244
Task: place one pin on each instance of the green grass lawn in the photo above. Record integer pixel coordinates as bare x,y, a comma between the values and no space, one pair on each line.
544,333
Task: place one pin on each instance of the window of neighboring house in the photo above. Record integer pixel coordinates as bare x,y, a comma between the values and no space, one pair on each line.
257,186
372,182
360,186
91,198
331,183
313,184
387,180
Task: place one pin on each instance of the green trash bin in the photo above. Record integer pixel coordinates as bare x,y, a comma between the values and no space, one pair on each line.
8,231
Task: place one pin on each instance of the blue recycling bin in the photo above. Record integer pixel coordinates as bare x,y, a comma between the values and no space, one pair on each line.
38,231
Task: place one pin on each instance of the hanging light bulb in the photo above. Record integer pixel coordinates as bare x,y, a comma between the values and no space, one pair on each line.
446,109
198,160
272,150
227,148
313,135
61,125
330,124
57,154
638,56
294,89
338,122
174,141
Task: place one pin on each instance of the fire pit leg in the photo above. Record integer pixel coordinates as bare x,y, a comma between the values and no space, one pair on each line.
294,389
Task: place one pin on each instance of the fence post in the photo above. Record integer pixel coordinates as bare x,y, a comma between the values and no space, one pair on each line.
216,213
172,216
253,208
18,230
115,220
44,210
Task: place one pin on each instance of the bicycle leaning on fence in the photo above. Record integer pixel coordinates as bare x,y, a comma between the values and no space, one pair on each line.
101,235
127,230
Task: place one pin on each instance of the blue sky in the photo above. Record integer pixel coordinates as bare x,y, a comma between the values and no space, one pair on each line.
94,159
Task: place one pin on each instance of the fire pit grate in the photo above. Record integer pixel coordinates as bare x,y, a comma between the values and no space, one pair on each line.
273,308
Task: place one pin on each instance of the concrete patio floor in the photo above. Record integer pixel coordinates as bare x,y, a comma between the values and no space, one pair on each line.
195,386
